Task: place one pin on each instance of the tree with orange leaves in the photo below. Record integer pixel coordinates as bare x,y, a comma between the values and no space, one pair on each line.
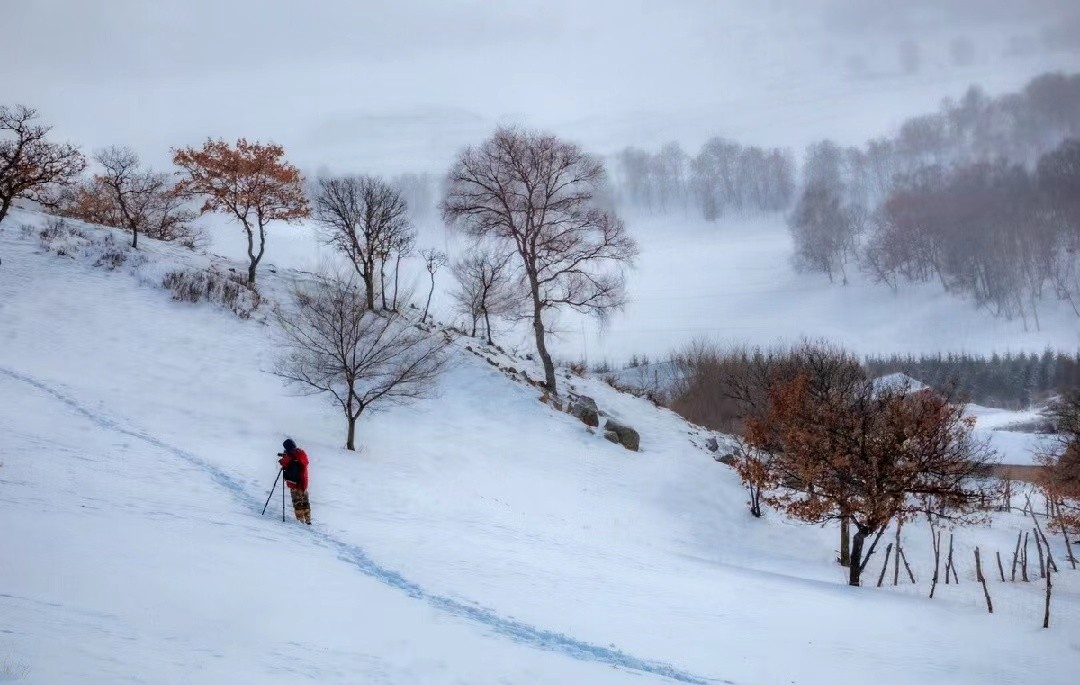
250,181
1060,479
824,450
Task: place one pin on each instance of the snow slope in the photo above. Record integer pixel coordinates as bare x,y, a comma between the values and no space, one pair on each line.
477,537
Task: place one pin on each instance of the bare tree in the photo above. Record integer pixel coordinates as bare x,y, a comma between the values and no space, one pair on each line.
334,343
433,261
536,195
30,165
484,286
395,245
134,198
360,215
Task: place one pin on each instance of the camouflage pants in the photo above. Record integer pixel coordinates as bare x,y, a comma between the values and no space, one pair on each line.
301,504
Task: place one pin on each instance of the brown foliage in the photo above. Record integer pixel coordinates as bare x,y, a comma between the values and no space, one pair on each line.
538,196
127,196
829,445
30,165
250,181
1060,478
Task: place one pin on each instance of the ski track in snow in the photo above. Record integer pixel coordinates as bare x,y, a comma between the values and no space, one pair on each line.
517,631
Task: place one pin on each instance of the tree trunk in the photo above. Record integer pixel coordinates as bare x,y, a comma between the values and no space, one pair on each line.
431,292
855,567
134,238
487,326
369,285
397,274
382,282
541,343
5,205
845,542
251,252
350,442
255,258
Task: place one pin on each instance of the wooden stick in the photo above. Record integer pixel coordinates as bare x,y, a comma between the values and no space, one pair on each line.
1039,533
937,562
951,566
885,566
904,558
896,559
1038,546
1001,569
979,575
1023,560
1046,612
1016,556
1068,547
948,562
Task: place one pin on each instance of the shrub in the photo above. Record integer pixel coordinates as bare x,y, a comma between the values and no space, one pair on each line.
212,285
62,238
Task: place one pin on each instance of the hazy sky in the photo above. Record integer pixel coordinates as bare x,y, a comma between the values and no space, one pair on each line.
391,86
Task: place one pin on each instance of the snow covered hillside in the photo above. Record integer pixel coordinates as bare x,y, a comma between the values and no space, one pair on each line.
478,537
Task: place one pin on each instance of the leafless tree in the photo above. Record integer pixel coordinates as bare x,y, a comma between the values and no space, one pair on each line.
535,194
433,261
31,166
334,343
359,215
398,244
144,201
484,286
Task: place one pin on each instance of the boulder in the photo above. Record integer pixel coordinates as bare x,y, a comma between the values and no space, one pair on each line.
612,436
628,437
711,444
728,459
584,408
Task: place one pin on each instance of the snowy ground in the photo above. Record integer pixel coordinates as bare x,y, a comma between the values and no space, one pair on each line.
477,537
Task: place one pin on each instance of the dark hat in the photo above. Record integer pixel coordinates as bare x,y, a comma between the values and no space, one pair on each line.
289,445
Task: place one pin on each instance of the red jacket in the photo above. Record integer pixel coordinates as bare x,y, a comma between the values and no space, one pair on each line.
300,457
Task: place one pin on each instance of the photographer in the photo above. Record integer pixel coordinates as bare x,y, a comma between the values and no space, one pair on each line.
294,468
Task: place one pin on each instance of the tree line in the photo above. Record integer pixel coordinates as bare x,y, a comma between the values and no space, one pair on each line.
723,178
980,197
1013,381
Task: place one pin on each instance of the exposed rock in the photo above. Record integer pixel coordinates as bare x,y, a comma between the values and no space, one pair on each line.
711,444
584,408
728,459
627,436
612,436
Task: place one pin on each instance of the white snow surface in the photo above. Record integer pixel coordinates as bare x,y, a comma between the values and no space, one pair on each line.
477,537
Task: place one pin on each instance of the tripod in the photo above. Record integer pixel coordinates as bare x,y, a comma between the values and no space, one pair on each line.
272,488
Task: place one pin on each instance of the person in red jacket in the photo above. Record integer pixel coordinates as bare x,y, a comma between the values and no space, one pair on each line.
294,468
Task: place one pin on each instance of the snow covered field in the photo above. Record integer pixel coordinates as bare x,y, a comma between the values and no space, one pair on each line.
479,537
